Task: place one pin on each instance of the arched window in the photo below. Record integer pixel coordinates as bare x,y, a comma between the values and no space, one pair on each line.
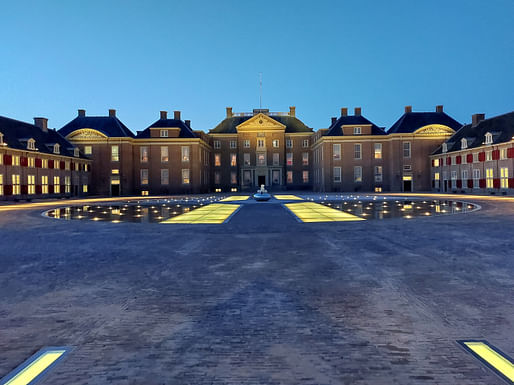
445,147
56,148
76,152
463,143
488,138
31,144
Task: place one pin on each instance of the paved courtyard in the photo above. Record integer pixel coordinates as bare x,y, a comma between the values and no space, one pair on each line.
262,299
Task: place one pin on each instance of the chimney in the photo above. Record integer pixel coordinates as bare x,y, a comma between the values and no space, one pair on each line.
42,123
476,118
292,111
344,111
334,119
229,112
439,108
357,111
82,113
188,123
112,113
408,109
176,115
164,115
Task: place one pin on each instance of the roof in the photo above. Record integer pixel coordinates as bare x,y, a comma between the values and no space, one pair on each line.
501,127
412,121
228,125
17,133
185,131
352,120
110,126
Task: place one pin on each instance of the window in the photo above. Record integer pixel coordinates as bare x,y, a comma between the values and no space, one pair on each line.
31,162
246,143
463,143
31,144
44,184
357,151
84,188
488,138
88,150
233,144
275,177
276,143
144,176
165,176
16,189
503,153
489,177
76,152
437,177
504,177
464,159
217,177
164,154
217,144
247,177
233,160
475,157
305,143
57,149
15,160
436,162
305,158
336,149
454,179
276,159
378,173
453,160
233,177
217,160
246,159
488,155
261,143
289,176
1,182
115,153
445,147
261,159
378,150
1,139
289,143
357,174
476,178
337,174
289,159
57,185
305,176
185,155
185,175
357,131
406,149
143,154
31,182
164,133
67,184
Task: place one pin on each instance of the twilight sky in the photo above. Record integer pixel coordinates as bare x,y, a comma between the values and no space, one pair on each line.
140,57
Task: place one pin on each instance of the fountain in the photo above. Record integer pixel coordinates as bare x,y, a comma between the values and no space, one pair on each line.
261,195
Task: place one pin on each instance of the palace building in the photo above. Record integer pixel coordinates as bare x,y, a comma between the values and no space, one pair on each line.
422,151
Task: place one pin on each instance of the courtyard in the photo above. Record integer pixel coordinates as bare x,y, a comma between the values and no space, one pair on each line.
262,296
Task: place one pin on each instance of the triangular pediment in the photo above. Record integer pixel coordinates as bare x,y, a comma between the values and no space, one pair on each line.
86,133
261,122
434,129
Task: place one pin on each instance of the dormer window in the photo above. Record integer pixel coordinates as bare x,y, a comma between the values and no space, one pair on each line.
357,131
76,152
31,144
1,139
56,148
164,133
445,147
488,138
463,143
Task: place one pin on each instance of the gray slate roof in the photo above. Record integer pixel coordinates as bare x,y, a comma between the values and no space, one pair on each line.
107,125
185,131
335,128
228,125
411,121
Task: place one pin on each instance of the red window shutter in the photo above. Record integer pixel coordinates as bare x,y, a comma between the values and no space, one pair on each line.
433,163
24,162
38,162
39,190
496,154
62,165
448,160
72,167
24,189
481,156
50,163
469,158
459,183
482,183
511,182
459,159
496,183
7,160
510,152
51,189
470,183
8,189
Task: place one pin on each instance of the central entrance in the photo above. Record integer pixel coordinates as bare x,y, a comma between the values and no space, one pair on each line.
261,180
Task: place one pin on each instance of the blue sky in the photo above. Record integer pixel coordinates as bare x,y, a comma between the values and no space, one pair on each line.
140,57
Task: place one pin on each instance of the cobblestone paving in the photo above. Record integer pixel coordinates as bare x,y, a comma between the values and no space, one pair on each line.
263,299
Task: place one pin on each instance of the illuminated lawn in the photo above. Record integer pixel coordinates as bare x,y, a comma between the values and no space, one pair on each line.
235,198
213,213
314,212
288,197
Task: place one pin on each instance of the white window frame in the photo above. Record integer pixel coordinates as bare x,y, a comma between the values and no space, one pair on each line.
504,177
217,144
336,151
144,177
186,154
305,158
289,159
115,153
488,138
305,143
165,176
275,143
246,143
233,160
217,159
246,159
163,133
357,131
476,178
165,154
289,143
357,151
143,154
406,150
233,144
186,177
377,150
357,174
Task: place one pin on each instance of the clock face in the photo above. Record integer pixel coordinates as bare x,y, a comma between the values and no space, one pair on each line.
260,121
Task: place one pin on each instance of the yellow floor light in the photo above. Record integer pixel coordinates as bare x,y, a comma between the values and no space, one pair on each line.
491,357
315,212
288,197
235,198
213,213
31,370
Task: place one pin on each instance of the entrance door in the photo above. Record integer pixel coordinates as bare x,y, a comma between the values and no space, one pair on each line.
407,185
445,185
261,180
115,190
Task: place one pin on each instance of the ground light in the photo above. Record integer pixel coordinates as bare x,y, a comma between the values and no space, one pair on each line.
491,356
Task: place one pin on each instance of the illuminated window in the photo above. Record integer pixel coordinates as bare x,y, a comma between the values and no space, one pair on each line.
336,149
261,143
378,173
233,160
143,154
15,160
233,144
16,189
503,153
246,157
31,144
217,160
164,154
357,151
84,188
463,143
67,184
305,176
261,159
185,156
488,155
246,143
217,144
406,149
378,150
305,158
489,174
144,192
357,174
276,159
44,184
31,182
337,174
165,176
67,165
115,153
378,189
289,143
164,133
276,143
185,175
57,185
476,178
305,143
289,176
453,177
144,176
77,166
488,138
31,162
1,184
88,150
504,177
233,177
436,179
1,159
436,162
57,148
217,177
289,158
357,131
